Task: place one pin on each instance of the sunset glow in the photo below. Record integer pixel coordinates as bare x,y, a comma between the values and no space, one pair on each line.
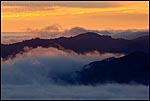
75,50
17,16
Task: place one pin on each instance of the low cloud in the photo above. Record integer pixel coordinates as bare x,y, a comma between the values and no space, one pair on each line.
30,76
14,39
56,31
50,28
100,92
41,65
51,31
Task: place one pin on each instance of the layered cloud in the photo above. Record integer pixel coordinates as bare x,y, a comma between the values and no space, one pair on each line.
32,75
72,7
56,30
94,14
56,92
41,65
63,3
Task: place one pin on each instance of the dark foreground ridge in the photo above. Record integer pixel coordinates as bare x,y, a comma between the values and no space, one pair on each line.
132,68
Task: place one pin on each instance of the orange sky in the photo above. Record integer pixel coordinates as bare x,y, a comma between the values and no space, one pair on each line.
17,16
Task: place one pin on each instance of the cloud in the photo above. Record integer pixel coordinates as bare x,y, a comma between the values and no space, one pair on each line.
51,31
13,9
85,4
31,76
14,39
31,67
56,31
47,32
47,29
54,27
100,92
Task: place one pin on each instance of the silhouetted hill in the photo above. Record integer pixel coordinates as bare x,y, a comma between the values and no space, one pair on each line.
81,43
90,41
130,68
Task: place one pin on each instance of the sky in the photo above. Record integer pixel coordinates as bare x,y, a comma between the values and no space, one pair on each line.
17,16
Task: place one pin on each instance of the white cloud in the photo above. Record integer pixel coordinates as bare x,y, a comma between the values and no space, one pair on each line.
30,76
42,64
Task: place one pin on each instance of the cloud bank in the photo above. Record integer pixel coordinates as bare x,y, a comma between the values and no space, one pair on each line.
31,76
56,31
57,92
41,65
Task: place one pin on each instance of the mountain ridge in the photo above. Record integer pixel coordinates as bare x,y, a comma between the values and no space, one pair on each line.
82,43
130,68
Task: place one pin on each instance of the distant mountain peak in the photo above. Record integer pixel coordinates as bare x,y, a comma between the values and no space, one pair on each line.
91,34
